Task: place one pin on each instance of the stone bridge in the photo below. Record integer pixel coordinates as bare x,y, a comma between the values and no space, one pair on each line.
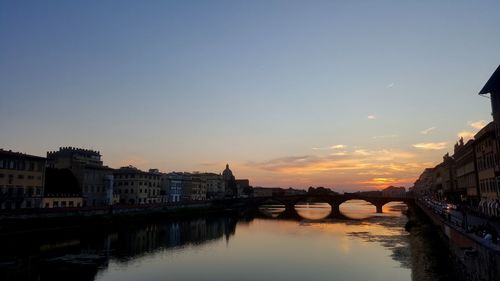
334,200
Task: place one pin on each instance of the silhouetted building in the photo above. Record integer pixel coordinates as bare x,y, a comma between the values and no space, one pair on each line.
394,191
230,183
94,179
243,188
61,189
21,180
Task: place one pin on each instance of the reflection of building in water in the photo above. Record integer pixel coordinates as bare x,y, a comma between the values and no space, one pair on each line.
130,243
79,255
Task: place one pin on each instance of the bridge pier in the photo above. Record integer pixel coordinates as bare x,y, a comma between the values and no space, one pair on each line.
335,209
379,208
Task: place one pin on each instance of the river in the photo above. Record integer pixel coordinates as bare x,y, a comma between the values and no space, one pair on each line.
232,246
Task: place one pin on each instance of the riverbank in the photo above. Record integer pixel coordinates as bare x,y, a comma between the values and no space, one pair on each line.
50,219
429,256
471,257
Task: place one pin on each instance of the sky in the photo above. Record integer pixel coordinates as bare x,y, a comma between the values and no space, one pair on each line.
351,95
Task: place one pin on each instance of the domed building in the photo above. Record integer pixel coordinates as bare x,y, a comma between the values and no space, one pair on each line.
227,174
230,182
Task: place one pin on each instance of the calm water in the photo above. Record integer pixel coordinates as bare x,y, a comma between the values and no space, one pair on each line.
236,246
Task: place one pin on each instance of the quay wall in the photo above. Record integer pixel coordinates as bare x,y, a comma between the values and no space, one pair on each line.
473,258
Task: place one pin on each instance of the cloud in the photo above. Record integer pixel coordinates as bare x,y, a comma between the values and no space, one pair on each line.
428,130
344,167
431,145
371,117
385,136
338,146
466,135
477,124
335,146
390,85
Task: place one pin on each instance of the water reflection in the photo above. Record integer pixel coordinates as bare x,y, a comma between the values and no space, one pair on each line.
313,211
230,246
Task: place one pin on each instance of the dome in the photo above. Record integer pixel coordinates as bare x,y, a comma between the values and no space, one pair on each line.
227,174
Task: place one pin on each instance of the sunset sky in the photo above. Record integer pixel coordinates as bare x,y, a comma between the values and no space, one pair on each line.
289,93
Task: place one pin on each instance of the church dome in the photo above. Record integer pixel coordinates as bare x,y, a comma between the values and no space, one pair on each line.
227,174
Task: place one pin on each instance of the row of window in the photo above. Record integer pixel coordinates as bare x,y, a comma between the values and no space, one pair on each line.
133,176
62,204
19,177
149,191
132,183
94,188
486,162
22,165
489,185
18,190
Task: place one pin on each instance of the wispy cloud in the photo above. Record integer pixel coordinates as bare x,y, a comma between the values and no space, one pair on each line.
390,85
367,166
431,145
478,124
338,146
371,117
335,146
385,136
428,130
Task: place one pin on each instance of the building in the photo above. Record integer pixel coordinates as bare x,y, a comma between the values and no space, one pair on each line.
262,192
61,189
243,188
229,183
94,179
196,189
423,186
486,152
394,191
134,186
21,180
465,172
173,186
215,185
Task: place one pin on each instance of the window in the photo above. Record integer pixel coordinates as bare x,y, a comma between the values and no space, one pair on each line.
2,176
47,205
20,177
71,204
55,204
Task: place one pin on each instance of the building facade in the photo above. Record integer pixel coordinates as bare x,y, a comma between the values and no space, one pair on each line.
94,179
61,189
134,186
22,179
465,166
486,152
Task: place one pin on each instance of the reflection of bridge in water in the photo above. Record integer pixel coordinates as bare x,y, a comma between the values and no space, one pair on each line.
333,200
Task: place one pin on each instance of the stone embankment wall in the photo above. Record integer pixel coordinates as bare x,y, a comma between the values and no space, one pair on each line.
473,258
